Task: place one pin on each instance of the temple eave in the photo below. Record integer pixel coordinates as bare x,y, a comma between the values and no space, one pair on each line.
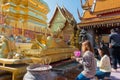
106,11
97,24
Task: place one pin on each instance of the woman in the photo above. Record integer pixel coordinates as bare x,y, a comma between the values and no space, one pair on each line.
88,61
104,64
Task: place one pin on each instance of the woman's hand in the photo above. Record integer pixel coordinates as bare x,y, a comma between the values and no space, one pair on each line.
73,57
79,60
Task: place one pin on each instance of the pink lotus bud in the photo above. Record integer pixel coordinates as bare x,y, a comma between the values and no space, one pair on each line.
77,53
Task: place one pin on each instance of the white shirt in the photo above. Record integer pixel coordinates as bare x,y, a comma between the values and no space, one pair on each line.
104,64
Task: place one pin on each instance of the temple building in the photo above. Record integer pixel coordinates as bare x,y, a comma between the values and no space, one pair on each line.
26,17
99,16
62,24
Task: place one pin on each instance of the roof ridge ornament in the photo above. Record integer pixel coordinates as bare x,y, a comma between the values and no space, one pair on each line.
79,14
87,6
93,6
81,2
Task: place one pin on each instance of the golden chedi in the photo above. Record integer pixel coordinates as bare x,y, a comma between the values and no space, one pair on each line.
27,17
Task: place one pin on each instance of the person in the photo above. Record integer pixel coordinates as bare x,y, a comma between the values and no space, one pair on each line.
104,66
105,46
114,45
88,61
117,30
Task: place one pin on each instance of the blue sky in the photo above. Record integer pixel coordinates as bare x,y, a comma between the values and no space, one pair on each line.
70,5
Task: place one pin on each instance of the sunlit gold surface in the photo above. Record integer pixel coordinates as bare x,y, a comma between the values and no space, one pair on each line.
48,50
25,15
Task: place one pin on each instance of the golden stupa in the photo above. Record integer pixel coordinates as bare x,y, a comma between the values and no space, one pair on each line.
26,17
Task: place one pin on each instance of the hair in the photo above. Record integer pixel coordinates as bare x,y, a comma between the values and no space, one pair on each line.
112,30
117,30
87,45
105,51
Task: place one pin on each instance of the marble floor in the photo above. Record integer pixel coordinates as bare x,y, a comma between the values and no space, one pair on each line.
115,75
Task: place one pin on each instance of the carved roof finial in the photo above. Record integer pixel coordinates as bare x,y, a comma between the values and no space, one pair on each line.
79,14
85,6
81,2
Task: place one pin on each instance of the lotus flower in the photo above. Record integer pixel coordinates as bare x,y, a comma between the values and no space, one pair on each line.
77,53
